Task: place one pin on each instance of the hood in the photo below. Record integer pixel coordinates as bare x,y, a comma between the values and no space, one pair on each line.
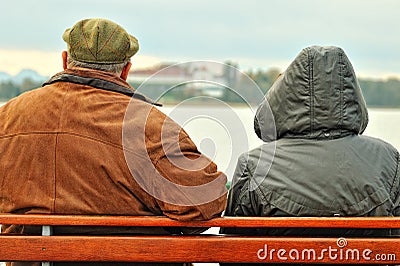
317,97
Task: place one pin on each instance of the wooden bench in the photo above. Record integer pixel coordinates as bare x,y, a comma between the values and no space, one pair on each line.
200,248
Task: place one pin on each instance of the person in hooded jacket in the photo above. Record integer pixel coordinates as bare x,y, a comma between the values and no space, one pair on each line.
315,162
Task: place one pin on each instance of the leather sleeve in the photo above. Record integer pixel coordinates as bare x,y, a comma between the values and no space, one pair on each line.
198,189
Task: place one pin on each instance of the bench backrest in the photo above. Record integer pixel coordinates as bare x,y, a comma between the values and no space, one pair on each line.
201,248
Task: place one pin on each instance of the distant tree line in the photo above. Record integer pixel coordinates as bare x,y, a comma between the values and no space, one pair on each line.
377,93
10,89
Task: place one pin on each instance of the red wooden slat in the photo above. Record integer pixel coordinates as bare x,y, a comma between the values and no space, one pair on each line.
199,249
254,222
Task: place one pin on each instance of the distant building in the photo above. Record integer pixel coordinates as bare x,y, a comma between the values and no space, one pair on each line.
178,81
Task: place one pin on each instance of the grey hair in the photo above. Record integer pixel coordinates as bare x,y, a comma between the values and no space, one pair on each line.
113,68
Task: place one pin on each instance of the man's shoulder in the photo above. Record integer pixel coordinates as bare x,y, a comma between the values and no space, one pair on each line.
25,97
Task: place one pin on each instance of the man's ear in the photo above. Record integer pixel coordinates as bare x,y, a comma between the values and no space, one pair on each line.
125,71
64,59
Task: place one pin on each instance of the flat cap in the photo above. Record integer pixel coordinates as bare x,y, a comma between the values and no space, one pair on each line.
100,41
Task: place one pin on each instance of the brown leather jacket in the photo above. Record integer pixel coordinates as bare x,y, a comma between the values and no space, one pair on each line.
82,144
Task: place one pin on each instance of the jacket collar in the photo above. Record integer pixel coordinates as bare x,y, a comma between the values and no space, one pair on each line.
100,80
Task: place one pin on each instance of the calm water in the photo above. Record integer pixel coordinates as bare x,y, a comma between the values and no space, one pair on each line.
223,132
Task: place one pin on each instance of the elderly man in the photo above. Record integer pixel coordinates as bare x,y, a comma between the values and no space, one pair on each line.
87,143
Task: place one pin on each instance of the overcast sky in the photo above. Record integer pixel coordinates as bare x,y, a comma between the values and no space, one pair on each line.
255,34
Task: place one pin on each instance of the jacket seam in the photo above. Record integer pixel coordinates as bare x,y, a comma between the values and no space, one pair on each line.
393,191
55,149
311,88
118,146
55,172
341,89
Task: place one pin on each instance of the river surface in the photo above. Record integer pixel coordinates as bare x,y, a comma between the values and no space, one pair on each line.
223,132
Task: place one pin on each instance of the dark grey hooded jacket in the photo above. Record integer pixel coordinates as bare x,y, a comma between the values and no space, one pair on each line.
315,162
